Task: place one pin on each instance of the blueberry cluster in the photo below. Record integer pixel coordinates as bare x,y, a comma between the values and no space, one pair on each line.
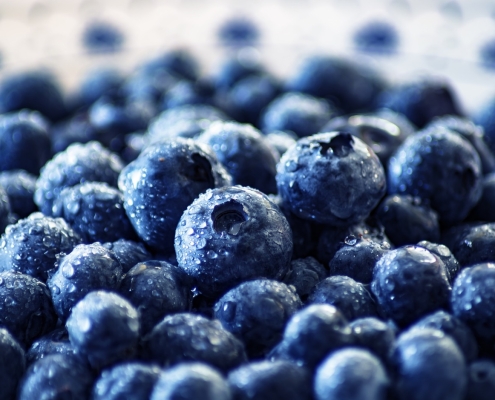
166,235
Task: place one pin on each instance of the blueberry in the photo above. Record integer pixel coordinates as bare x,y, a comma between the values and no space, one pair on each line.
454,327
485,118
238,32
483,210
5,210
130,380
351,374
374,335
312,333
408,283
304,274
473,299
191,381
128,253
76,129
421,101
87,268
444,253
102,37
398,211
357,256
281,141
236,68
104,328
160,184
156,289
348,85
185,92
19,186
54,342
25,141
12,366
230,235
177,62
473,244
438,166
350,297
188,337
244,153
26,310
79,163
428,366
331,178
266,380
376,37
148,85
34,90
481,380
57,376
256,312
300,113
95,211
33,245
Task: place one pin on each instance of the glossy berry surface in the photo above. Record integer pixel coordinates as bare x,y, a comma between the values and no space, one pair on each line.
19,186
54,342
304,275
332,178
128,252
230,235
13,366
374,335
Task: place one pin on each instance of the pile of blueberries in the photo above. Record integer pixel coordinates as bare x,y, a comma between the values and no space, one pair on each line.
168,235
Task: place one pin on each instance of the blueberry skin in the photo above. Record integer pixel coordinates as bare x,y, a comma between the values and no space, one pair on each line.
483,210
54,342
77,164
304,275
76,129
96,83
350,86
189,337
444,253
185,92
19,186
128,253
398,211
311,334
376,37
190,381
357,256
474,244
12,366
266,380
33,90
131,380
32,245
428,366
457,329
104,328
350,297
57,376
351,374
87,268
440,167
177,62
26,309
374,335
281,141
481,380
231,235
95,211
331,178
300,113
24,140
408,283
5,210
238,32
235,69
102,37
421,101
473,299
156,289
257,312
244,153
485,118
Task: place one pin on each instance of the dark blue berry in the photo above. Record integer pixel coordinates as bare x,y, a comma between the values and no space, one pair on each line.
156,289
185,92
266,380
304,274
331,178
443,252
244,153
188,337
79,163
351,374
33,245
238,32
230,235
483,210
177,62
257,312
473,244
19,186
485,117
376,37
102,37
128,253
236,68
54,342
26,309
281,141
160,184
76,129
96,83
481,380
408,283
104,328
6,216
87,268
374,335
12,366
